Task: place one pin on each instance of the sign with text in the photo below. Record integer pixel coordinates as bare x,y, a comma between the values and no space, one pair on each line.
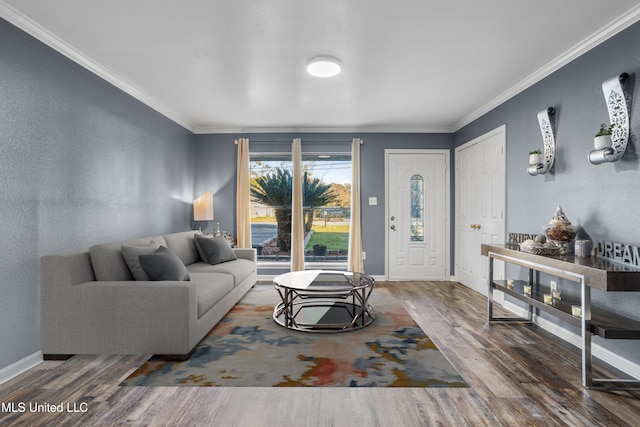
520,237
619,252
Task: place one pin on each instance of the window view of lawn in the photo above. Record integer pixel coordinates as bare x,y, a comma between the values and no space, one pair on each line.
334,236
326,193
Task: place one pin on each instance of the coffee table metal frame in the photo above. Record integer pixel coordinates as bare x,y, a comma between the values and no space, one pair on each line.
353,297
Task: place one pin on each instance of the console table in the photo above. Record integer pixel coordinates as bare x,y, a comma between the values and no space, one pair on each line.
590,272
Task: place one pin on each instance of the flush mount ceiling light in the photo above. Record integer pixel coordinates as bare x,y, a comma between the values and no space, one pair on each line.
324,66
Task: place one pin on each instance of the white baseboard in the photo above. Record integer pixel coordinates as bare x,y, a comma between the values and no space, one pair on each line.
613,359
20,366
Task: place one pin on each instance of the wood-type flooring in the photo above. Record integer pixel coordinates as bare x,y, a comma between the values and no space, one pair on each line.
519,375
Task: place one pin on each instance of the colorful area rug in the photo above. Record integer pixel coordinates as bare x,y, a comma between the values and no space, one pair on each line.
247,348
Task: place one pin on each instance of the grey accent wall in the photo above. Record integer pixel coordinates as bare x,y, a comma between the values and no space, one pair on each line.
216,165
603,199
80,163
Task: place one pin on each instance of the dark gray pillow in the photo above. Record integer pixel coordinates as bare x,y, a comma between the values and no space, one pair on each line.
214,250
164,265
131,254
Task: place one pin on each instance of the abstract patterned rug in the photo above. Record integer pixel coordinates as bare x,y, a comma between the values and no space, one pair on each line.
247,348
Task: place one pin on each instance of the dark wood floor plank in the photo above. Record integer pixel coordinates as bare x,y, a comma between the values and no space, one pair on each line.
519,375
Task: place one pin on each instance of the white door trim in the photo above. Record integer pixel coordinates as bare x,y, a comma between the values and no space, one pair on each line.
447,155
496,131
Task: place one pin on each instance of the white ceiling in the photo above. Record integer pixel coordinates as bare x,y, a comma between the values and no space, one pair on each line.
239,66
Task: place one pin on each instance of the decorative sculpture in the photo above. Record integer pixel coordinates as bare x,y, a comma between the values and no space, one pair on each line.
618,107
548,138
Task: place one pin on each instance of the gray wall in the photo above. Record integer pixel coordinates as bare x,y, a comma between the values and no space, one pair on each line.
216,165
602,199
80,163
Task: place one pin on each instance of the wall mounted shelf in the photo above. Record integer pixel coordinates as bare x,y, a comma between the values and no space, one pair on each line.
618,106
545,118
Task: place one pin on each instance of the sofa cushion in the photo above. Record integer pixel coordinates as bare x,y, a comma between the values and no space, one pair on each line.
131,254
240,269
211,287
183,245
164,265
107,260
214,250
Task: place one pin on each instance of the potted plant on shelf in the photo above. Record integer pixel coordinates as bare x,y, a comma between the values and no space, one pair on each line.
603,137
535,157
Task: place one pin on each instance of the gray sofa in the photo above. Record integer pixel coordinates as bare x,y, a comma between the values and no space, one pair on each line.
91,303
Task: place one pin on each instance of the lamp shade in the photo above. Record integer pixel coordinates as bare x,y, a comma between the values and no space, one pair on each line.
203,207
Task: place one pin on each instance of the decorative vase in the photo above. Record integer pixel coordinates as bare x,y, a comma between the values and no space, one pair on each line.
560,232
535,159
602,141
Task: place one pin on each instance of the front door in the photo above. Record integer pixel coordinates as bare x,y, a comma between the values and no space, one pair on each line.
417,214
480,206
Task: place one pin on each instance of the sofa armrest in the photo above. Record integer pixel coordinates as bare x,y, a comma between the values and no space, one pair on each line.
121,317
179,292
247,253
64,271
143,301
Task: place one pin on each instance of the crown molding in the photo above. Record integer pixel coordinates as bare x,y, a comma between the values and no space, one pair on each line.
32,28
35,30
614,27
357,129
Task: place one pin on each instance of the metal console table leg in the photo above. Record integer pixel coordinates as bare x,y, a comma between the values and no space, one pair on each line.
490,316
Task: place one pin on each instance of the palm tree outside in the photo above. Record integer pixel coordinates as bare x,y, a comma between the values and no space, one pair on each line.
273,189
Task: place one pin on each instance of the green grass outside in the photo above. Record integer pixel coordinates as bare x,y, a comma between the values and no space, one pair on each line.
334,237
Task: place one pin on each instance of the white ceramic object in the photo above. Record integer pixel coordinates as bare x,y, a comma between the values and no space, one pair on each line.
602,141
535,159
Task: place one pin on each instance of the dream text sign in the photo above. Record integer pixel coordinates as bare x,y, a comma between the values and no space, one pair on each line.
619,252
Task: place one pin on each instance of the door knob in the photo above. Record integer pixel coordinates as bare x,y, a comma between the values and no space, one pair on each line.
393,227
393,218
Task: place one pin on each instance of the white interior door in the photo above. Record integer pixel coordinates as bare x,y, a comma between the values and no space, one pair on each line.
417,214
480,206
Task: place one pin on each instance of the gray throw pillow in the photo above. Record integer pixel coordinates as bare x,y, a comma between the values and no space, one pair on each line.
214,250
164,265
131,254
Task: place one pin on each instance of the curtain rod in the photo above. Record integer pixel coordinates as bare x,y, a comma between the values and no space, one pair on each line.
303,141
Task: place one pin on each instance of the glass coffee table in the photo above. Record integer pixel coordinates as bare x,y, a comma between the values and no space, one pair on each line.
324,301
